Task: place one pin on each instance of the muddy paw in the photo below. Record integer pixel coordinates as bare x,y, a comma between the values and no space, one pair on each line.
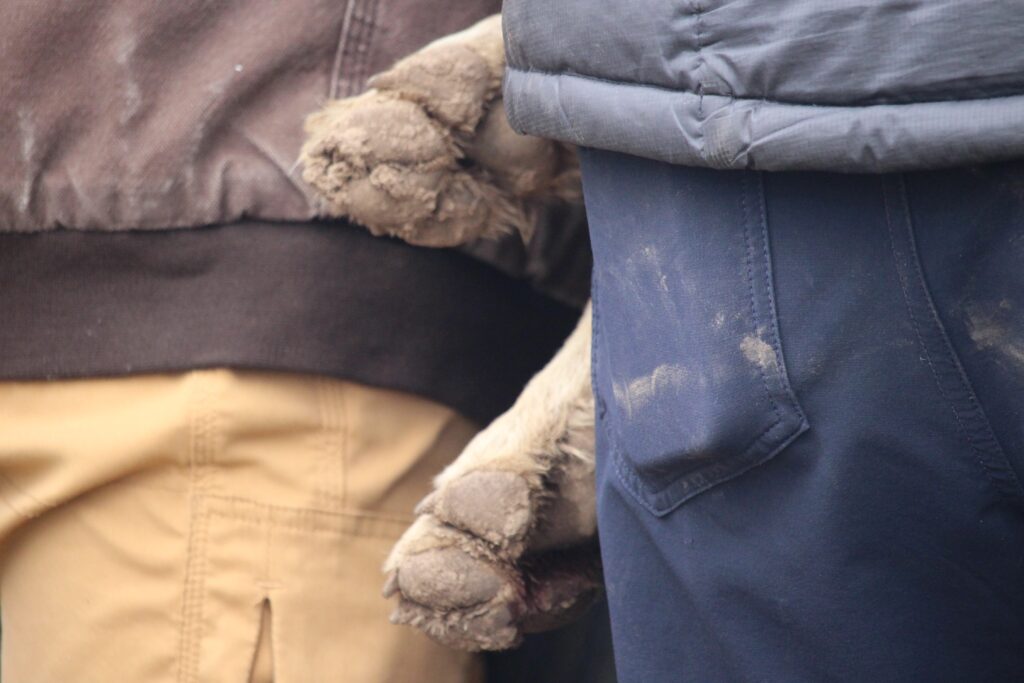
427,155
506,543
495,506
454,588
495,554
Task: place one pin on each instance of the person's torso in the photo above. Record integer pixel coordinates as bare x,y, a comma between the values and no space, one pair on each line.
149,115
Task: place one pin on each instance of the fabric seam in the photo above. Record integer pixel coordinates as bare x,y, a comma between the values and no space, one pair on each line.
701,63
761,100
747,237
339,52
307,520
773,314
663,499
204,425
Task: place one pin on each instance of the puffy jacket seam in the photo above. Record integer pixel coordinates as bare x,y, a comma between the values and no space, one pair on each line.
339,50
701,66
760,100
701,63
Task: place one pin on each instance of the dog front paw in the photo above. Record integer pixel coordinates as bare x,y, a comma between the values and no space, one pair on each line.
455,588
465,593
428,156
382,162
506,542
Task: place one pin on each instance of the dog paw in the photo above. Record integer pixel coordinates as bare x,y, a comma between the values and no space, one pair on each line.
466,594
427,155
455,588
506,542
505,545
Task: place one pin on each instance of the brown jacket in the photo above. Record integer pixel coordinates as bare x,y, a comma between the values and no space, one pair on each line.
148,115
121,120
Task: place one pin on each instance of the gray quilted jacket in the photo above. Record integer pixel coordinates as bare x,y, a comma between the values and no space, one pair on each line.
843,85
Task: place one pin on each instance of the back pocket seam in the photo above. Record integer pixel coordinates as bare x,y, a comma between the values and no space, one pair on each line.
951,380
754,317
661,501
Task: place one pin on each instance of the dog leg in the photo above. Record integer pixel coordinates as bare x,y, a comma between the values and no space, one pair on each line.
506,543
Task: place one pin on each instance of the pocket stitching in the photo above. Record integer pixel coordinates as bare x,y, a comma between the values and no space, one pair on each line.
676,492
992,459
750,288
663,500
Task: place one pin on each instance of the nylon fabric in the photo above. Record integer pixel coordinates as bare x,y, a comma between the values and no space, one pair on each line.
851,86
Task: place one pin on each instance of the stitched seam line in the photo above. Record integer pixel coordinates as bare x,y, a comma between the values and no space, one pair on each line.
595,324
904,285
368,21
330,486
701,63
354,530
261,514
682,487
760,100
313,512
352,57
192,598
14,496
346,24
203,426
320,494
748,219
962,375
773,329
268,546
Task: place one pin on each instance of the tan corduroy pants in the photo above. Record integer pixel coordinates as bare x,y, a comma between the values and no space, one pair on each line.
212,526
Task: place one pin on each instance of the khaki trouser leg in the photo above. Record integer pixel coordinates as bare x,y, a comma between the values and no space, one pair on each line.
212,526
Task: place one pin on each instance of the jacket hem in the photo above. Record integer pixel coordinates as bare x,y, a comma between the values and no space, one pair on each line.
722,132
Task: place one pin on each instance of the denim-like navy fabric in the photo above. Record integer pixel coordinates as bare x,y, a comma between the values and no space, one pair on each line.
810,421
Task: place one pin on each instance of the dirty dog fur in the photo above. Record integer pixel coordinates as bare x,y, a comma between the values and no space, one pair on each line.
427,154
506,542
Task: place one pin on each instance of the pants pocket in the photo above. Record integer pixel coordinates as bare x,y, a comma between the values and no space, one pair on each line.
688,366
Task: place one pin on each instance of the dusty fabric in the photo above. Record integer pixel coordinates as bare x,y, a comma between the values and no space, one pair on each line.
809,435
160,509
149,115
141,117
317,298
795,84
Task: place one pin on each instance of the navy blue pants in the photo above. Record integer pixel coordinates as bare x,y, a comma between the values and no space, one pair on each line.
810,422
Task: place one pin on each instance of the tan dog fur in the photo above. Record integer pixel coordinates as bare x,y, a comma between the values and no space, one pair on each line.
506,543
427,154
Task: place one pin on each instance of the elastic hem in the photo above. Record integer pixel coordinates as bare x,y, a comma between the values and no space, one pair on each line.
312,298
